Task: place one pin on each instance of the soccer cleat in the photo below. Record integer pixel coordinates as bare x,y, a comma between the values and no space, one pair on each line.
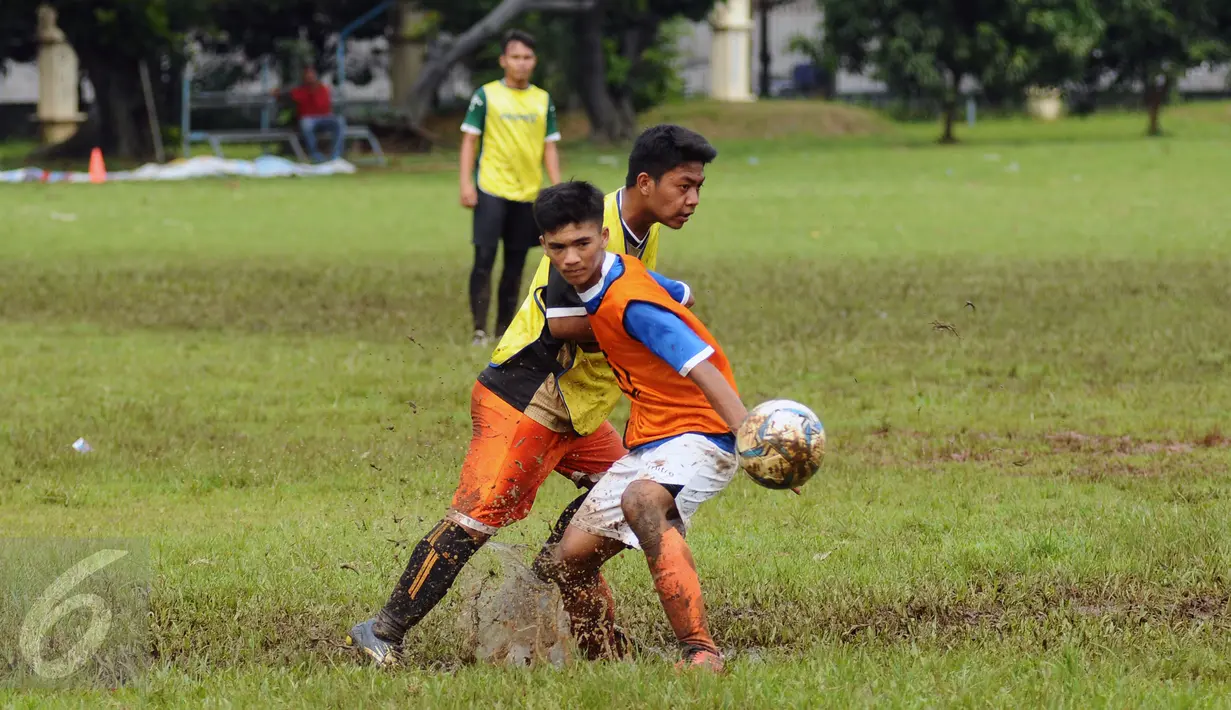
480,338
698,658
383,653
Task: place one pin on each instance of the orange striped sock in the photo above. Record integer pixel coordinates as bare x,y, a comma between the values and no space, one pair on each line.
679,590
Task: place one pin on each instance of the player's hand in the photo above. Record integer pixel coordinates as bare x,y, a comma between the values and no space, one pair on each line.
796,491
470,196
692,301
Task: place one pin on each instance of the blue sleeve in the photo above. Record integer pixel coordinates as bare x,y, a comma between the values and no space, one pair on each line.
666,335
677,289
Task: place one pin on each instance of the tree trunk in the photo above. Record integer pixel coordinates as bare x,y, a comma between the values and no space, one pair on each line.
951,97
117,121
950,114
625,118
592,77
1157,88
637,39
122,108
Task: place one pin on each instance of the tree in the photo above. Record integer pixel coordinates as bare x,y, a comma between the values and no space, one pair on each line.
436,69
624,49
823,60
618,53
623,61
17,28
111,38
763,10
930,47
1155,42
259,28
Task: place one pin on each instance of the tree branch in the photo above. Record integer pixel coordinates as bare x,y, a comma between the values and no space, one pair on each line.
419,98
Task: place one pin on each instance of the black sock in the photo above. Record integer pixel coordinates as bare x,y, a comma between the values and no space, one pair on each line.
566,517
543,561
481,285
508,293
433,567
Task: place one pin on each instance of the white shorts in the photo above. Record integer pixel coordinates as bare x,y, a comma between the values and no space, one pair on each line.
702,467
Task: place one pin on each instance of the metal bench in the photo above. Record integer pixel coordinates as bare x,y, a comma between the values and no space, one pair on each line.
364,133
217,138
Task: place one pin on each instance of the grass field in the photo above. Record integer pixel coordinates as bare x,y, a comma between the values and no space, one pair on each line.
1030,507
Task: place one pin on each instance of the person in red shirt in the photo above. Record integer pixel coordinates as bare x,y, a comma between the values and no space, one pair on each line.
314,107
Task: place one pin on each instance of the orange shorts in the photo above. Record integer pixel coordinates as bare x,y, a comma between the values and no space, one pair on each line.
510,456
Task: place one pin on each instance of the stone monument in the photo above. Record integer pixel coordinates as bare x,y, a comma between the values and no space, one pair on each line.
1044,103
731,51
58,81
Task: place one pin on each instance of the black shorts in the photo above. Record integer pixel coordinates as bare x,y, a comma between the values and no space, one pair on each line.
497,219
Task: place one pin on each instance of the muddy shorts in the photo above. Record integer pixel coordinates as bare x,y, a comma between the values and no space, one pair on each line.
691,466
510,456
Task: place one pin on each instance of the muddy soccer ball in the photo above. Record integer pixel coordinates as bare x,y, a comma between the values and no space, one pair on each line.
781,444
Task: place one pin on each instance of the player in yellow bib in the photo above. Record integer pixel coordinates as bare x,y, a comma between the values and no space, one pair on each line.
543,402
509,134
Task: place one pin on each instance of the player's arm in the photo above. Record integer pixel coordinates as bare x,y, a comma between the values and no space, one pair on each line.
669,337
574,328
722,397
551,143
566,315
472,130
678,290
551,160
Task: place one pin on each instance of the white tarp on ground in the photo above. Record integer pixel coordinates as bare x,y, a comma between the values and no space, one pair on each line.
265,166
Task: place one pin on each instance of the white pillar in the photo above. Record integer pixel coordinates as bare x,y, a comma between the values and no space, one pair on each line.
731,51
58,81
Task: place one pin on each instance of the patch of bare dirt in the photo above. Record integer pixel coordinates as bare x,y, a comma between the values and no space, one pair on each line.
1076,442
1049,612
1194,608
1098,454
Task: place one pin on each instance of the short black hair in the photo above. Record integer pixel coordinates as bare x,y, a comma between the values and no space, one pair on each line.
572,202
662,148
516,36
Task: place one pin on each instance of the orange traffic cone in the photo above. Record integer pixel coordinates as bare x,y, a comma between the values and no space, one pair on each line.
98,171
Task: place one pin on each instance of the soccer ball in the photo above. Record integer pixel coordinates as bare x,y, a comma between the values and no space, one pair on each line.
781,444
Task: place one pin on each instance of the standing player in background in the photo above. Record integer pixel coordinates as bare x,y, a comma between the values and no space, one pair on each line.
543,402
510,133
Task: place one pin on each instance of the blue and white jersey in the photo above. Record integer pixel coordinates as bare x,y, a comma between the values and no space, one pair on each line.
660,330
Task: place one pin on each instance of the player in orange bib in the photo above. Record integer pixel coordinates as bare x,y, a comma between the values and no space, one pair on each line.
680,434
542,403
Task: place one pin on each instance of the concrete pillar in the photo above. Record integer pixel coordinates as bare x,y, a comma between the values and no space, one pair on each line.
731,51
58,81
407,48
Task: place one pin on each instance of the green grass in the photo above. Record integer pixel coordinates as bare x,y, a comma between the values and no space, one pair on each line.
1031,511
